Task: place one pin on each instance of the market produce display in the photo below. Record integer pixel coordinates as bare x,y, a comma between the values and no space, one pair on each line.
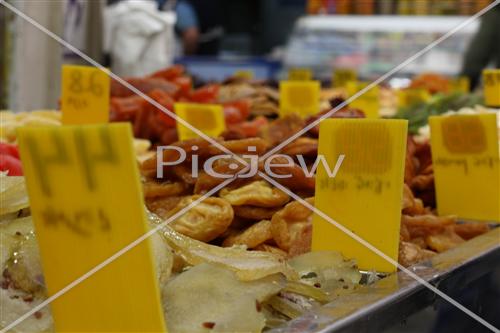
246,105
245,251
261,286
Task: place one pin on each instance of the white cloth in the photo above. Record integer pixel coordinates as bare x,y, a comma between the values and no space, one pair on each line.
139,37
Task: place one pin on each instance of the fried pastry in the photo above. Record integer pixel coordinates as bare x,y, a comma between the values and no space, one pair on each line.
255,213
162,206
470,230
444,240
258,193
410,254
205,221
154,189
302,146
291,228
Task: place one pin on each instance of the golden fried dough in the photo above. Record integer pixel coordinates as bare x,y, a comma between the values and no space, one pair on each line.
470,230
255,213
428,221
422,182
417,208
302,146
258,193
257,234
444,240
408,198
291,228
161,206
205,221
184,173
153,189
410,254
298,181
282,128
206,182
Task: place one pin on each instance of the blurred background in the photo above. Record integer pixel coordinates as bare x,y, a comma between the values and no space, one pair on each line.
215,38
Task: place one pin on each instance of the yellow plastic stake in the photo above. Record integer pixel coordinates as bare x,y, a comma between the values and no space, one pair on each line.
208,118
407,97
301,97
342,76
365,195
369,102
461,84
465,158
85,95
491,79
299,74
244,74
86,203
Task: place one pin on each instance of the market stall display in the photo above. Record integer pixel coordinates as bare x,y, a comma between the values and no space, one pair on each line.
251,242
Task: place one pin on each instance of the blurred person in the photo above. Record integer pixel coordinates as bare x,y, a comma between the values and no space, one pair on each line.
484,47
199,25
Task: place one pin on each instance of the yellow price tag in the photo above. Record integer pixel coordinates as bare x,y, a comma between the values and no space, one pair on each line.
208,118
86,203
365,195
466,165
407,97
301,97
342,76
85,95
244,74
369,102
461,84
491,80
299,74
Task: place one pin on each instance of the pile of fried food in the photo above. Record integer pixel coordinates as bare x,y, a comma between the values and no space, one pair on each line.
204,288
258,216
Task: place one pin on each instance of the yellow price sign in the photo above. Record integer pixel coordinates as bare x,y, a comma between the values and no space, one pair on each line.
342,76
208,118
365,194
465,158
299,74
85,95
407,97
491,80
301,97
460,84
244,74
86,203
369,102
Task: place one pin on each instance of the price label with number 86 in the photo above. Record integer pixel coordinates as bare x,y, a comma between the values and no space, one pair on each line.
85,95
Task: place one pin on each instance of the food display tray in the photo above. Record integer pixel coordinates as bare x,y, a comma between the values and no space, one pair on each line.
392,299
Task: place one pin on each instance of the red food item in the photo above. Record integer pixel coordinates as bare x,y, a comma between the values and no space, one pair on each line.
248,129
9,149
185,84
237,111
232,115
145,85
169,73
164,100
206,94
125,108
11,164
